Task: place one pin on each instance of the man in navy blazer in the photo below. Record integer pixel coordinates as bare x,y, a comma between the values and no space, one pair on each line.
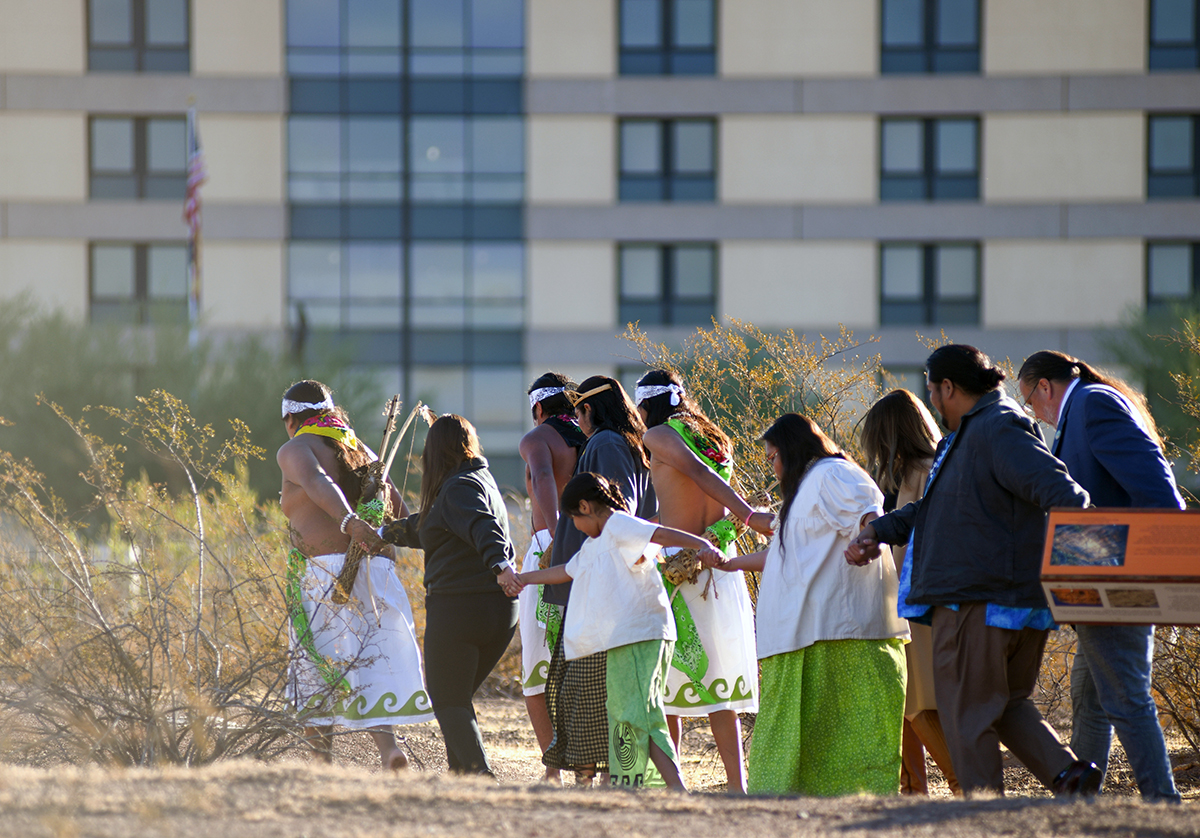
1106,438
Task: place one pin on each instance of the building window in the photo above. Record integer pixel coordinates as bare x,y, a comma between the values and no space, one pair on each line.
668,160
132,36
929,284
929,159
674,284
668,37
1171,275
1171,159
138,157
418,37
1174,36
143,284
929,36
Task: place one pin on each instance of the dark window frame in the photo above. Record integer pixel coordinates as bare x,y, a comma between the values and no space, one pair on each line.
670,303
1173,184
141,303
930,57
667,186
141,177
139,48
667,59
1172,56
1166,305
931,309
932,186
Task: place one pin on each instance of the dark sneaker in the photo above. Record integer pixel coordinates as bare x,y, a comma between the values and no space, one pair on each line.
1079,779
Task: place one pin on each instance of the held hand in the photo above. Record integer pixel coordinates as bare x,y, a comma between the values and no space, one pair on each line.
362,532
863,549
762,522
711,558
510,582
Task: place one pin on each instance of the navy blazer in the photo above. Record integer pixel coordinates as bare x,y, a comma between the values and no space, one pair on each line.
1109,453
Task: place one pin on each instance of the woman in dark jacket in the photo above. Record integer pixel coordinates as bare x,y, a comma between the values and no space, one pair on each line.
469,556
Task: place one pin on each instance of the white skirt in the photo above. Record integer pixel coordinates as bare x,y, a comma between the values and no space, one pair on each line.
378,660
535,654
725,623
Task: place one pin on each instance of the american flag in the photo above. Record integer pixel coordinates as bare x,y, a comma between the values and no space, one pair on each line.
196,175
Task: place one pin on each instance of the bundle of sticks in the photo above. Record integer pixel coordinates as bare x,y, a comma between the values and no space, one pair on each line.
684,566
375,500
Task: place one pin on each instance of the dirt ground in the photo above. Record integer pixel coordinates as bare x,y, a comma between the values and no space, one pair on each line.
298,799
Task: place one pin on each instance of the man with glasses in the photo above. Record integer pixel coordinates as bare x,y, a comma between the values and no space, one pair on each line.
1106,437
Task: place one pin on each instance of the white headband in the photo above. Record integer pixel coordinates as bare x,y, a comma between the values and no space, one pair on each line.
651,390
543,393
290,407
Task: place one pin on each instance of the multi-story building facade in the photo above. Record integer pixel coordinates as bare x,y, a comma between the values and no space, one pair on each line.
463,193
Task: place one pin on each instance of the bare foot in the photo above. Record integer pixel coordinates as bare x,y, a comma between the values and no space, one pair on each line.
394,760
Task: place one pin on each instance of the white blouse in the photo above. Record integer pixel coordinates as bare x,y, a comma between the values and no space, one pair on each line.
809,592
617,594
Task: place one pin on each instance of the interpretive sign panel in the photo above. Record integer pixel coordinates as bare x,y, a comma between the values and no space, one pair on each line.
1123,566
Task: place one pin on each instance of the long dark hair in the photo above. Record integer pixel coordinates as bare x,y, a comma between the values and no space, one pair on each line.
450,443
558,404
659,409
1061,367
799,443
613,411
898,436
348,459
971,371
594,488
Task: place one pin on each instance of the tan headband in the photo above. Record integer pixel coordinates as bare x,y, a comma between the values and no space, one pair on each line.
575,397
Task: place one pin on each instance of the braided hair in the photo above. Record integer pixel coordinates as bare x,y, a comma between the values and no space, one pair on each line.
594,488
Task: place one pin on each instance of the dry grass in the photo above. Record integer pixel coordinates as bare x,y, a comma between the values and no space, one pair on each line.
292,797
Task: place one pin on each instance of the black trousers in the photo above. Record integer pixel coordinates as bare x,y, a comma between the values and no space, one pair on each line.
465,637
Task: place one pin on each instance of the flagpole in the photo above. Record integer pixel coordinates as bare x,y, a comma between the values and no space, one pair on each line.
196,175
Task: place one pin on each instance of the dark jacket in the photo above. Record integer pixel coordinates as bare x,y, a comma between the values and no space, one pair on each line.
464,533
606,453
1110,454
981,526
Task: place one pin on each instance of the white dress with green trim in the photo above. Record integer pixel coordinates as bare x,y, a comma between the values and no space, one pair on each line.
715,664
348,668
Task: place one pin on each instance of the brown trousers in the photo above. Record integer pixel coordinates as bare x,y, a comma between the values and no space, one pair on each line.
924,732
984,677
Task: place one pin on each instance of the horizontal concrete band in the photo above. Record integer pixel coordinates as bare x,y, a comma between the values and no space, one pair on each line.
168,93
944,220
143,93
899,346
915,94
138,221
162,220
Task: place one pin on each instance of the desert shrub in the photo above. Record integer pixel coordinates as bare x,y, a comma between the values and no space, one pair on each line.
159,636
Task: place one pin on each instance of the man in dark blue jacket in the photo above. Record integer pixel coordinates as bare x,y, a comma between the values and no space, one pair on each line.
1106,438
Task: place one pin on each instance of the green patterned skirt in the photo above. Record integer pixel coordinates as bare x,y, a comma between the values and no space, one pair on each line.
829,720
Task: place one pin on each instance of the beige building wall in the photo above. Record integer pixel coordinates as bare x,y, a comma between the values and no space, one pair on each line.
572,159
243,285
777,285
243,156
570,38
797,159
1027,37
1038,284
572,285
1076,157
237,37
53,273
42,36
798,38
43,156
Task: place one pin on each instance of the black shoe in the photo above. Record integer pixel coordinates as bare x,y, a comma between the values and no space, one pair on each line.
1079,779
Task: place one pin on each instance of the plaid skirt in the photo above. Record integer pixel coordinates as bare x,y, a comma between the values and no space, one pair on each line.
575,699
